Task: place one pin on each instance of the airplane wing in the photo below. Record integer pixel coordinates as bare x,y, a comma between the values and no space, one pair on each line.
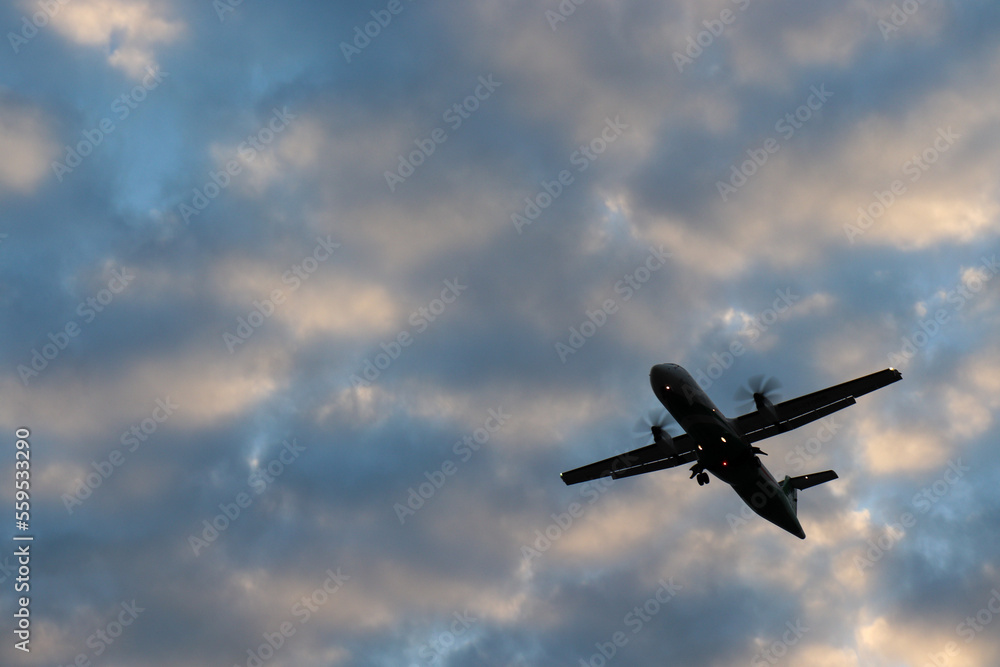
804,409
645,459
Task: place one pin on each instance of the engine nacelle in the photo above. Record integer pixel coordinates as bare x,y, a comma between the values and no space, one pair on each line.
765,407
663,439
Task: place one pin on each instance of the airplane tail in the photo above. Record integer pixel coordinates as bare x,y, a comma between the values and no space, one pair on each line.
792,485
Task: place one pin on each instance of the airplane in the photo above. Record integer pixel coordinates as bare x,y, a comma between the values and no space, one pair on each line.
724,447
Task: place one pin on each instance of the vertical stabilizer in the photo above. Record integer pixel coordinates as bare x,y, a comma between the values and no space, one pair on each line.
792,485
792,492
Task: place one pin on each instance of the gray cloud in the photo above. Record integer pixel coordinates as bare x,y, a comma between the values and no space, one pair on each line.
369,446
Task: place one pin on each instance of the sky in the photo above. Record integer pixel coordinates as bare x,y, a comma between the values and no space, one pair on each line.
305,306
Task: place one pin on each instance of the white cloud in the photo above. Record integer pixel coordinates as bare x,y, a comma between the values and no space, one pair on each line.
328,300
129,30
207,385
26,147
890,448
893,641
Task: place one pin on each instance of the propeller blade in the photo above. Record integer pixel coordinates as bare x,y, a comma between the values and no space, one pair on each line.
758,385
769,387
655,418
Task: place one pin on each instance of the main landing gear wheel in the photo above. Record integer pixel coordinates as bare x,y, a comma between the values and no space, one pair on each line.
698,473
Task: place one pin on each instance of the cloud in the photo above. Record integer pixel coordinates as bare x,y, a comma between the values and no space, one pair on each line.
27,146
895,641
128,30
359,261
895,449
206,388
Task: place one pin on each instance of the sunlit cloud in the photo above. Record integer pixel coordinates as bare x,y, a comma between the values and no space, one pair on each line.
26,145
128,30
296,305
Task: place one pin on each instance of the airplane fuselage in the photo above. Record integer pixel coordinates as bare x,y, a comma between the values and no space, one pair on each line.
721,448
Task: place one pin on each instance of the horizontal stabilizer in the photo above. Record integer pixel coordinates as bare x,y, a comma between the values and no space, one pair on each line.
808,481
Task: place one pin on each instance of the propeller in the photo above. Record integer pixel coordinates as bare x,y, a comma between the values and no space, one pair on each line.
756,388
657,423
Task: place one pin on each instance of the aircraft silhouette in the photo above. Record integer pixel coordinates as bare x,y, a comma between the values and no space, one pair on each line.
724,447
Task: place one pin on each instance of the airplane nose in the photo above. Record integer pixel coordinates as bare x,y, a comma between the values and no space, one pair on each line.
660,376
658,373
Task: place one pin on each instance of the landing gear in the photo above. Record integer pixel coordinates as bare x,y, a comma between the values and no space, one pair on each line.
698,473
